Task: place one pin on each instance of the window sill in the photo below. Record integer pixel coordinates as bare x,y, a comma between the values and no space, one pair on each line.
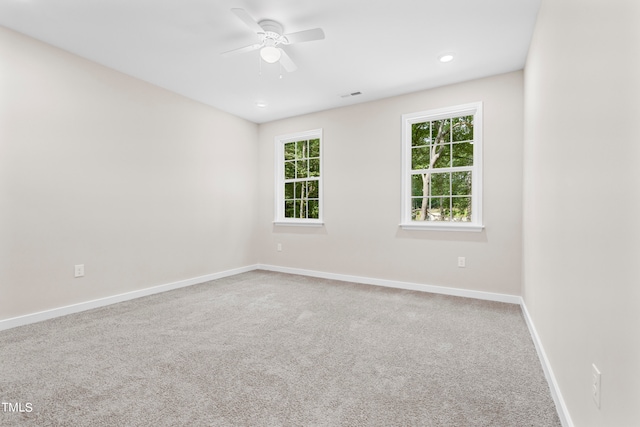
311,223
460,226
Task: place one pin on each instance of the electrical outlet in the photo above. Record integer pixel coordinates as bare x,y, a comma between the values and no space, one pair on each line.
462,262
279,247
79,270
595,385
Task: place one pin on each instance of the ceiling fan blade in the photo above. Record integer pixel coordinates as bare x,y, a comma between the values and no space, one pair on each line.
241,50
287,62
248,20
305,36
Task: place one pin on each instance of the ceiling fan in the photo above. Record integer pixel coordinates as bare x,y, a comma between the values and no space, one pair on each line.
272,39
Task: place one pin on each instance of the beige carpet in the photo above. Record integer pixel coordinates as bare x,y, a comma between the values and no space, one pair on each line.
270,349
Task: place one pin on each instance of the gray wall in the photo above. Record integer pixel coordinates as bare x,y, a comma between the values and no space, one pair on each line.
581,202
141,185
362,164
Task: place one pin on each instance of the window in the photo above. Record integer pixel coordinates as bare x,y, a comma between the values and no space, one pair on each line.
299,178
442,169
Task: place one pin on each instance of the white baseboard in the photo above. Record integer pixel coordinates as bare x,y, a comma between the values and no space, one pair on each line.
490,296
563,411
101,302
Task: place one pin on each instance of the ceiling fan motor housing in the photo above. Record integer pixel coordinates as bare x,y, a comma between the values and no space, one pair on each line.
272,32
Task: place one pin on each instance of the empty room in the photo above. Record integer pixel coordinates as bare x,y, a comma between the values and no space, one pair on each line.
303,213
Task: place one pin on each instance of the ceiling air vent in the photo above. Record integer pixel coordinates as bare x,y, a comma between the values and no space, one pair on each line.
349,95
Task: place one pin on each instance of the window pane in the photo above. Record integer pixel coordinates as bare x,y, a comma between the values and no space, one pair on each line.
444,156
438,207
462,209
301,149
462,154
288,190
314,148
440,131
463,128
301,209
416,185
299,187
302,168
445,209
312,189
461,183
289,151
440,184
434,209
289,170
289,209
420,157
314,167
314,209
416,209
420,134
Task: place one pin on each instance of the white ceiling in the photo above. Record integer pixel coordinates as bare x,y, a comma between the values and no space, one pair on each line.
380,48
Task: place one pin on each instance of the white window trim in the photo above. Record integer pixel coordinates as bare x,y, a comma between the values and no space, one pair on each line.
476,224
279,180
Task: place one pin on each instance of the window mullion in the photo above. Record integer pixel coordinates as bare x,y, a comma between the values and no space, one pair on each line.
442,170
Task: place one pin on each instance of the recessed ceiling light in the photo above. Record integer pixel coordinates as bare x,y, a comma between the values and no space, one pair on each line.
446,57
261,104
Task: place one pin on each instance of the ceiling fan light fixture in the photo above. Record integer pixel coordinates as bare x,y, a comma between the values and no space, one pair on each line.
270,54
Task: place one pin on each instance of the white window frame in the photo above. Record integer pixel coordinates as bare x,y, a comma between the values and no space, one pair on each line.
280,141
408,120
